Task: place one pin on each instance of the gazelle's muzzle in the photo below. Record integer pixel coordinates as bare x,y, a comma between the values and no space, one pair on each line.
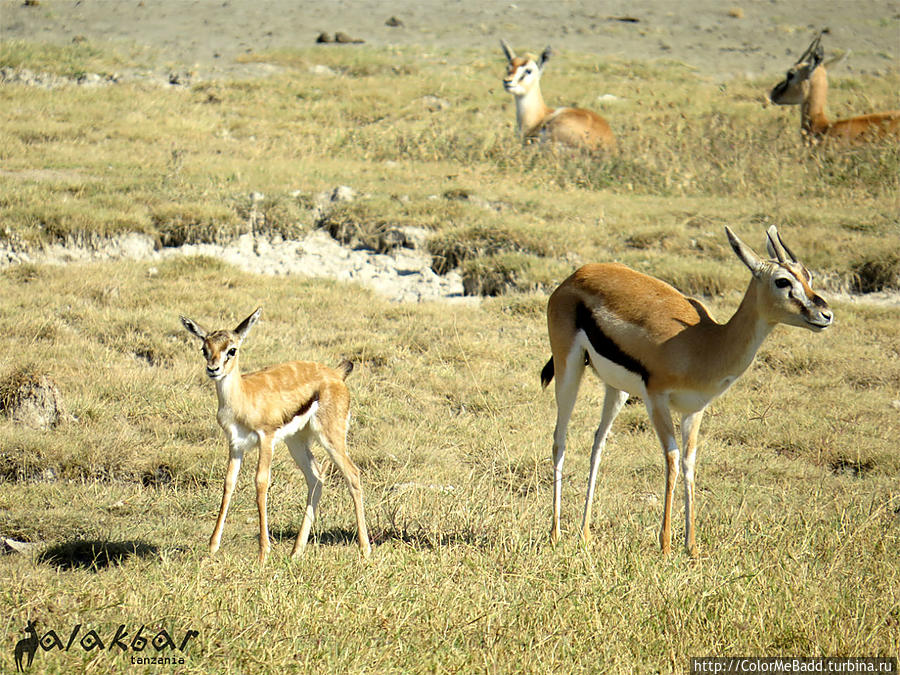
821,317
215,372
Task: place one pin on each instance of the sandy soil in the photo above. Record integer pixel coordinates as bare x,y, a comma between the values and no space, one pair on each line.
752,37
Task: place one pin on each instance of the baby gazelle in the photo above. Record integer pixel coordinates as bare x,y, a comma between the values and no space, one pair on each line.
574,127
297,402
642,337
806,85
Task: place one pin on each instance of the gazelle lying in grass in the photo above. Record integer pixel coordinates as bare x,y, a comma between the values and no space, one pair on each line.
575,127
297,402
806,85
643,337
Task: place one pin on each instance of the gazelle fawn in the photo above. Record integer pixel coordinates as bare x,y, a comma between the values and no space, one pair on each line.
806,85
643,337
297,402
574,127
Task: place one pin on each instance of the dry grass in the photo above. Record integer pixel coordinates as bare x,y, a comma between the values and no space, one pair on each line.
798,543
180,163
797,493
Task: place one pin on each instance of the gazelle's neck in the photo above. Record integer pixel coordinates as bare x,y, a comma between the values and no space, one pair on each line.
229,388
741,336
812,110
530,110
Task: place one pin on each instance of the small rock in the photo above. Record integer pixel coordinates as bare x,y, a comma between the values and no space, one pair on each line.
344,39
180,79
90,79
435,103
343,193
393,22
31,398
320,69
323,38
8,545
324,201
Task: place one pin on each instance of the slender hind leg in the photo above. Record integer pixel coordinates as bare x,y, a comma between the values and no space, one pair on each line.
612,404
567,383
332,434
299,448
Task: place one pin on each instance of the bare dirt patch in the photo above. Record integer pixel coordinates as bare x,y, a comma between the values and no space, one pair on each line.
726,40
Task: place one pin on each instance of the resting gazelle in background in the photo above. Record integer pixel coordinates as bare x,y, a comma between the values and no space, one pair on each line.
806,85
643,337
574,127
297,402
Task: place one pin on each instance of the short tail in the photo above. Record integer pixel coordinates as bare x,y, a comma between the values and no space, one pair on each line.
345,368
547,374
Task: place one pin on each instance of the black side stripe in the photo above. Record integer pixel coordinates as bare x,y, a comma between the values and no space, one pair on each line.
604,345
303,409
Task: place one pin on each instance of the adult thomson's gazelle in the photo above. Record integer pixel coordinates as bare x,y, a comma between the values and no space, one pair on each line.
806,85
643,337
297,402
574,127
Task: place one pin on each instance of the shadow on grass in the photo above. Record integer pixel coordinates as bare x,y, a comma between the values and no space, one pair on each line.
339,536
95,555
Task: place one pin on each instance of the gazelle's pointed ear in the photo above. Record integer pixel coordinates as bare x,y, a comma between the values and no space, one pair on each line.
745,253
777,248
773,246
245,325
545,56
507,50
817,56
193,328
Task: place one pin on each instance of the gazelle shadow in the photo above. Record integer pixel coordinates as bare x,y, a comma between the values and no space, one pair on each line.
339,536
95,555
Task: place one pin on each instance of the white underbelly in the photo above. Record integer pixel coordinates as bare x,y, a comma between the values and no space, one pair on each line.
297,423
610,372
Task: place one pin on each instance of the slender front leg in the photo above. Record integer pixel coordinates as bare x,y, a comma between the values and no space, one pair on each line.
690,430
236,456
263,477
612,404
658,409
567,384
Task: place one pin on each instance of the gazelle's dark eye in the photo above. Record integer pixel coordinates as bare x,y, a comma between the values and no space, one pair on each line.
528,71
231,352
782,283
